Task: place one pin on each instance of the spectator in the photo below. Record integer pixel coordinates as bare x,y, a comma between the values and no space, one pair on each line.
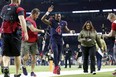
99,53
88,38
68,54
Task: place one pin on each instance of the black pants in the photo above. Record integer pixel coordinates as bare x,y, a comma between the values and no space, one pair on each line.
67,58
89,51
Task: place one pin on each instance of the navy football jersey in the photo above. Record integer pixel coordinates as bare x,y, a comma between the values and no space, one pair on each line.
57,27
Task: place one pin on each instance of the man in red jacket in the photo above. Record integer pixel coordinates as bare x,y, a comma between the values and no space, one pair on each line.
30,46
13,18
112,18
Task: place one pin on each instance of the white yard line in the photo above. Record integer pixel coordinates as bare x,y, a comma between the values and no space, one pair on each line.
72,72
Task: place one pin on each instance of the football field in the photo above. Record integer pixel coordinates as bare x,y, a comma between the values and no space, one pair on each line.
43,71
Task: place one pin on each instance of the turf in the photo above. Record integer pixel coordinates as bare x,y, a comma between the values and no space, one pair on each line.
103,74
46,69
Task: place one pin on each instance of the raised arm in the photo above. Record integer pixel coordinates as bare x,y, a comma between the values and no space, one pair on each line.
44,18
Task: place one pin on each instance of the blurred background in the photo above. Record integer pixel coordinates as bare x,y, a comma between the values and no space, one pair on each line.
75,12
70,11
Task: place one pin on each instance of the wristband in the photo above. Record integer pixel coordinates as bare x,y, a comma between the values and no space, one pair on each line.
47,13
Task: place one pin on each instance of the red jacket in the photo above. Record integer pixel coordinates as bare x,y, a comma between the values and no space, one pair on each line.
32,35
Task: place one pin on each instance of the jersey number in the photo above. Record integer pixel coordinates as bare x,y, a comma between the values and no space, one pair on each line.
58,29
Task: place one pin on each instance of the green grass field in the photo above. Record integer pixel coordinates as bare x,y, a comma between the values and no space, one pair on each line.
104,74
46,69
100,74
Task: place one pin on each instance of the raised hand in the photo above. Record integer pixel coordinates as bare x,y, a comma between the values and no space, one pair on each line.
50,9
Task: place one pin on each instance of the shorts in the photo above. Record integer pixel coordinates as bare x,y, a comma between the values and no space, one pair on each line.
30,48
11,44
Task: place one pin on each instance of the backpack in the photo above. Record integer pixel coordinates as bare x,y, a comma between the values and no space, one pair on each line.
8,13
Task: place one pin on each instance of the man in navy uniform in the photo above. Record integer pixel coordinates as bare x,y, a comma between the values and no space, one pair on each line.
56,27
